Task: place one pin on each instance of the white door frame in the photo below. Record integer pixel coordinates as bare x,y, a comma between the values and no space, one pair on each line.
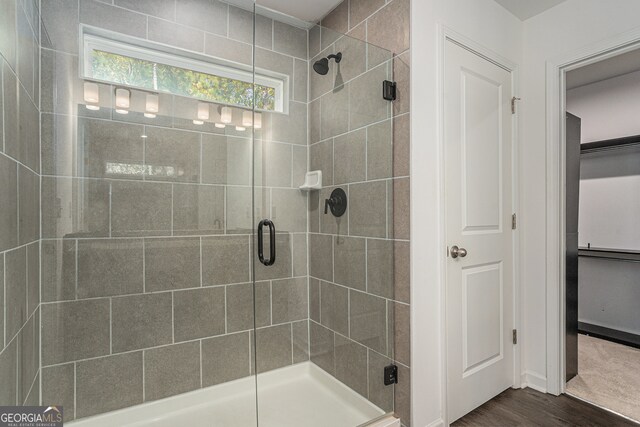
445,34
555,193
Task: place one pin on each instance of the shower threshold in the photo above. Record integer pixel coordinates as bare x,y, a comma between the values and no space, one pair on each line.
301,395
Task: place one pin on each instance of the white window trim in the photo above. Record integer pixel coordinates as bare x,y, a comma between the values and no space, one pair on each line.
102,40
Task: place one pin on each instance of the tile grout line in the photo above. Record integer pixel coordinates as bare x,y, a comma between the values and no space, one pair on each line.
144,384
144,266
4,299
250,330
75,390
201,264
173,322
110,209
103,297
172,201
110,325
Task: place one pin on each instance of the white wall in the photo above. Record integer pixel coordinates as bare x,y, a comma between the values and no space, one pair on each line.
565,29
608,109
609,291
610,199
561,30
609,202
610,180
489,25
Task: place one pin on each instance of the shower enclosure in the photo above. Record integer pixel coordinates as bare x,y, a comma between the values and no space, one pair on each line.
161,264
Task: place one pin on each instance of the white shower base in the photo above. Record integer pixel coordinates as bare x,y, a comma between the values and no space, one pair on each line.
301,395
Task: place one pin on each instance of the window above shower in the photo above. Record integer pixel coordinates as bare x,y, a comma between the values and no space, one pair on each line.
126,61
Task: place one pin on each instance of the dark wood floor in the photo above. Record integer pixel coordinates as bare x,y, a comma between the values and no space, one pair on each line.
527,407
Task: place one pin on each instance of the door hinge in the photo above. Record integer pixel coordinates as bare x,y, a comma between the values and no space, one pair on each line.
515,336
513,104
390,375
514,221
389,90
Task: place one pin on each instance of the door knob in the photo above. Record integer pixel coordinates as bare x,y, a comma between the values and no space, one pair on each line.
458,252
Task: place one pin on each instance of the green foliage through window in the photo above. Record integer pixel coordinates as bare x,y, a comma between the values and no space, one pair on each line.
151,75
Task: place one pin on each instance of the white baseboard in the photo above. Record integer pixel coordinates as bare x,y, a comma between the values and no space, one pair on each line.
534,381
437,423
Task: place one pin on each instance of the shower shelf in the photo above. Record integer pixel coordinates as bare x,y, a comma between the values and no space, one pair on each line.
312,181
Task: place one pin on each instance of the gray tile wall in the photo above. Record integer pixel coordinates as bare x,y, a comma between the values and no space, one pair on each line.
359,263
145,273
141,270
20,206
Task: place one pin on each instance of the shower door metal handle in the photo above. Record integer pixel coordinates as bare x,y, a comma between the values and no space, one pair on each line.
272,242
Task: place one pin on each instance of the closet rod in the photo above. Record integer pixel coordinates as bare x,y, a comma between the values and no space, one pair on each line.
609,144
613,254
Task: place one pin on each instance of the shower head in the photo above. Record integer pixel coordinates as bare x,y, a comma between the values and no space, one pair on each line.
321,66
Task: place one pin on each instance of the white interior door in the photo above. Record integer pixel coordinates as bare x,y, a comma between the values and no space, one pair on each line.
479,303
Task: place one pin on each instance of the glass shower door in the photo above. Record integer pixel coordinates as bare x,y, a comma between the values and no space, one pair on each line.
325,308
147,217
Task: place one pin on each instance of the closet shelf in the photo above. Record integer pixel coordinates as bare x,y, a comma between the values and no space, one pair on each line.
607,253
609,144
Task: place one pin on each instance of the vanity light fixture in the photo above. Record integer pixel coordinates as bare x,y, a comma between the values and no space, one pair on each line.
202,114
151,106
226,115
123,101
91,95
247,118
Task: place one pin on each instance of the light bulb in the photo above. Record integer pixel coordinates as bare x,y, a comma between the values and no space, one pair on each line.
247,118
123,101
198,122
221,125
240,128
91,93
203,111
91,96
226,115
152,105
150,115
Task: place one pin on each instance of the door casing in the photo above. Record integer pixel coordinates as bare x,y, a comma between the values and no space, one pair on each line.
555,194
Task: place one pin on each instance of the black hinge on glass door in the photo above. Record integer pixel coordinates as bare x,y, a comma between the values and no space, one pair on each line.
272,242
389,90
390,375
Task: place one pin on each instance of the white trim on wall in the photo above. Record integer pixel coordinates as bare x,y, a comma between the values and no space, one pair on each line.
555,194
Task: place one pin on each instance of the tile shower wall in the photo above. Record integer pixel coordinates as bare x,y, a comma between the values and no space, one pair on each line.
146,287
359,263
19,202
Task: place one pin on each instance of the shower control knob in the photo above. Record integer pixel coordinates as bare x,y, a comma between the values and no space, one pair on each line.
458,252
337,203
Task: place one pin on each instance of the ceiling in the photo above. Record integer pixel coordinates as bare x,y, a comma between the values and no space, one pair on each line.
603,70
310,11
525,9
